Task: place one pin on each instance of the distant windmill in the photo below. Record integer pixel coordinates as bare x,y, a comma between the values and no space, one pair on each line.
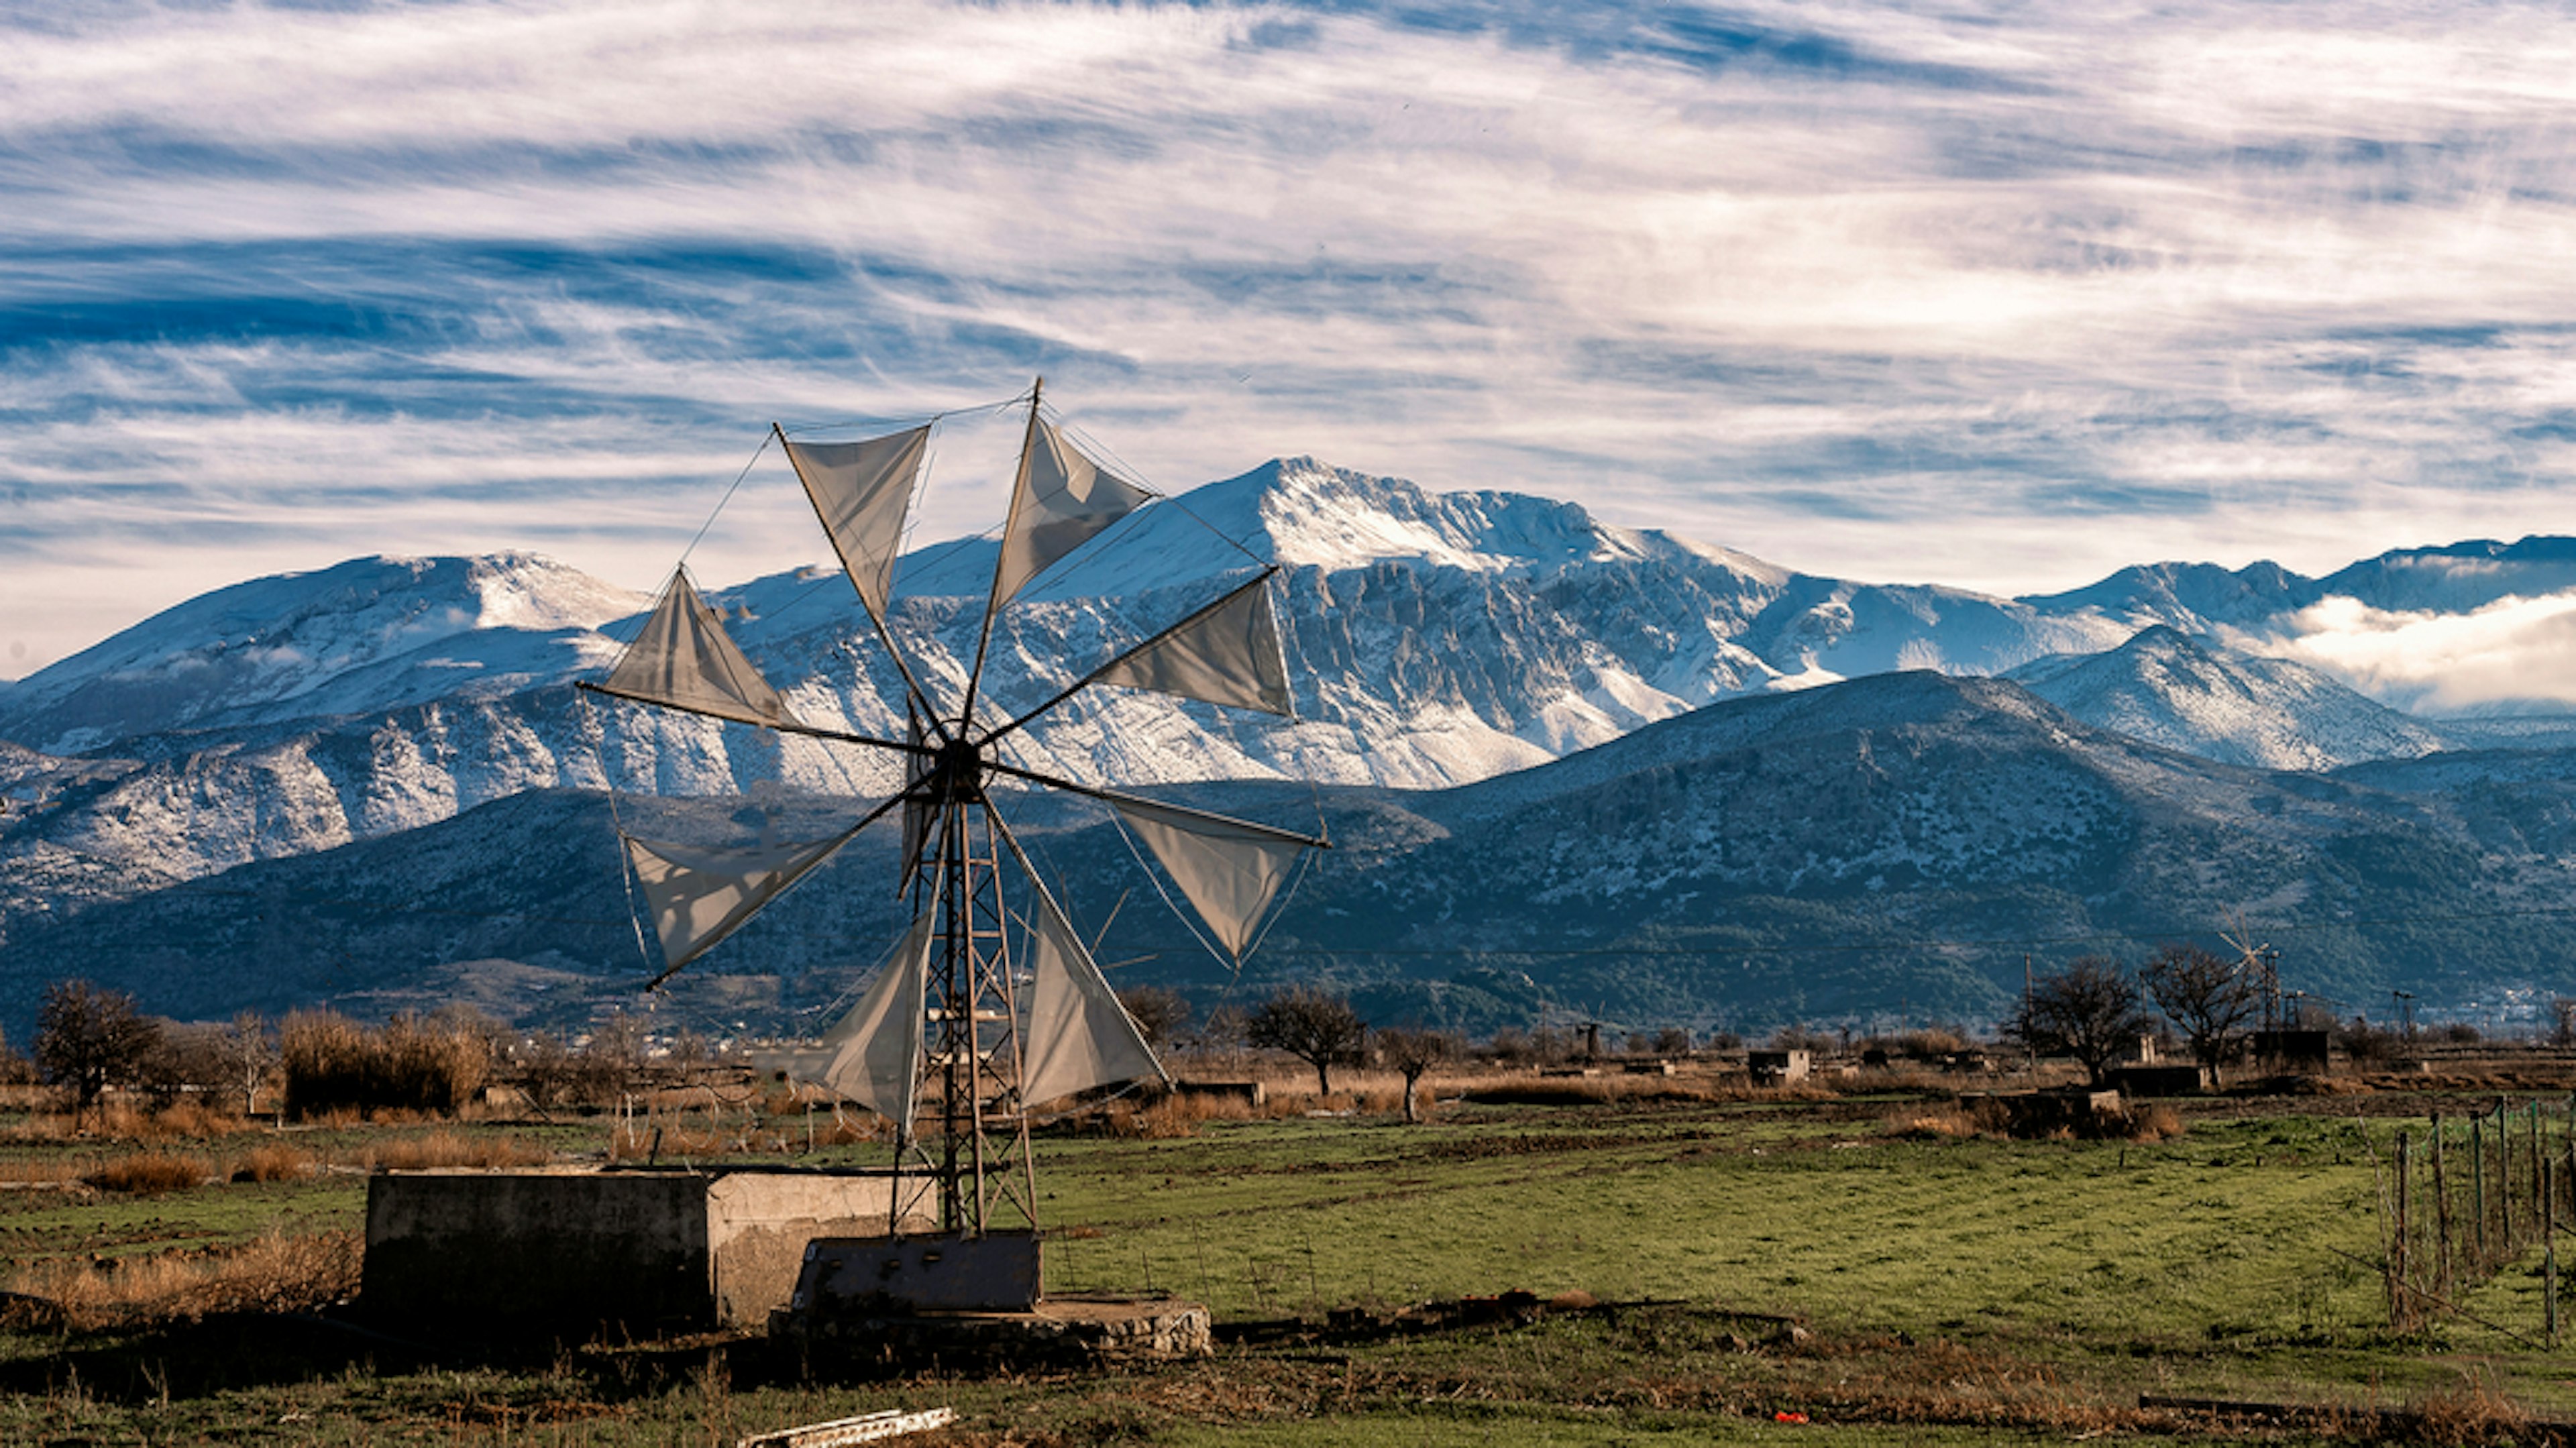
1586,1025
988,1010
2259,966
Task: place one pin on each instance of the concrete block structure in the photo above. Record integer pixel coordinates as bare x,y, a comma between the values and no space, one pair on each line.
1778,1068
520,1253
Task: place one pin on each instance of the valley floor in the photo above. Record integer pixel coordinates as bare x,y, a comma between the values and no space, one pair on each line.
1846,1268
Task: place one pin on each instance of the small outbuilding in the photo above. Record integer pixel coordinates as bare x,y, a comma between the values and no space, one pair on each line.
532,1252
1778,1068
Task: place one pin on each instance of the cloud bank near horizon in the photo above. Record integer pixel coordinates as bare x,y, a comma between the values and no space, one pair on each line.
1978,295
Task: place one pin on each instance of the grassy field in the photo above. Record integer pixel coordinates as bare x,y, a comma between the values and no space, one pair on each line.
1718,1263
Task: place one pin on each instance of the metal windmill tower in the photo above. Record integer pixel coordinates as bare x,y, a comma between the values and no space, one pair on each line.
983,1010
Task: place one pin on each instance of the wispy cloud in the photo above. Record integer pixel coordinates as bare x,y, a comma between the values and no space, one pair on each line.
1994,296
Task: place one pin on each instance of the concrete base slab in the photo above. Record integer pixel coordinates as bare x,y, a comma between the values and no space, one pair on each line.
1060,1331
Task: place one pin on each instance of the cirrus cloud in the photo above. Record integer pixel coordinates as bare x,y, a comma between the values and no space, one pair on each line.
1982,295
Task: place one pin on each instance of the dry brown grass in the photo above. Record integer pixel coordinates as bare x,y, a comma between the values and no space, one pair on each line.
50,1170
1531,1089
148,1173
2154,1121
274,1163
273,1273
120,1120
1929,1121
448,1149
2474,1410
1954,1121
677,1142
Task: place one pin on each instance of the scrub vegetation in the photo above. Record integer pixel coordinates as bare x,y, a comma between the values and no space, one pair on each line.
1688,1260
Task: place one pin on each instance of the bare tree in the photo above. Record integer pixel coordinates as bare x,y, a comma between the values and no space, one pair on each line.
251,1054
89,1039
1315,1027
2209,998
1159,1011
186,1057
2088,1011
1411,1054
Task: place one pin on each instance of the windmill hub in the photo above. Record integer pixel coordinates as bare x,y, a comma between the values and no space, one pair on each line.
957,773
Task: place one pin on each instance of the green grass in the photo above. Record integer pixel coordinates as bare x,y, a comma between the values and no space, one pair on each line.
1957,1291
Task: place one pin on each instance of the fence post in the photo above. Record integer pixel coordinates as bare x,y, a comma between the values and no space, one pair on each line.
2539,1186
2549,1248
2504,1184
2404,1315
2478,1180
2441,1215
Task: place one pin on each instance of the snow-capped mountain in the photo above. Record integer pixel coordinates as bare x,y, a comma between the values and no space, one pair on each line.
1436,639
1822,855
2203,698
369,634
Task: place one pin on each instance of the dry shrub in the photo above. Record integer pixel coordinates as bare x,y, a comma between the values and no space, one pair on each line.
447,1149
274,1164
2475,1410
1165,1118
333,1065
2154,1122
1927,1122
191,1116
148,1174
273,1273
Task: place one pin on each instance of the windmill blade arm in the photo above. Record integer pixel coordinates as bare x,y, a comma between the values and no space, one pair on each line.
1262,580
1114,797
810,731
885,635
709,943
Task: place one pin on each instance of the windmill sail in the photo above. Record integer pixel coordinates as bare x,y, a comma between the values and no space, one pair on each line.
861,491
1230,872
701,895
1226,653
1063,500
1078,1036
876,1048
684,659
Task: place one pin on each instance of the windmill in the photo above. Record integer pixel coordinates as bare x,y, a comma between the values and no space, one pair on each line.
2259,966
985,1011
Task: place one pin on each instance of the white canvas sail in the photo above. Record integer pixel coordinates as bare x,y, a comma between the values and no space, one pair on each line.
861,491
1230,872
876,1048
683,658
1227,653
1078,1036
701,895
1062,501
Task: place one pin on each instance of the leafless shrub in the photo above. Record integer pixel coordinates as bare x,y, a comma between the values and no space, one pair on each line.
273,1164
412,1064
148,1174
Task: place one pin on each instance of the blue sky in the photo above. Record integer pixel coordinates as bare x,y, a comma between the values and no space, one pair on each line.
2002,296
